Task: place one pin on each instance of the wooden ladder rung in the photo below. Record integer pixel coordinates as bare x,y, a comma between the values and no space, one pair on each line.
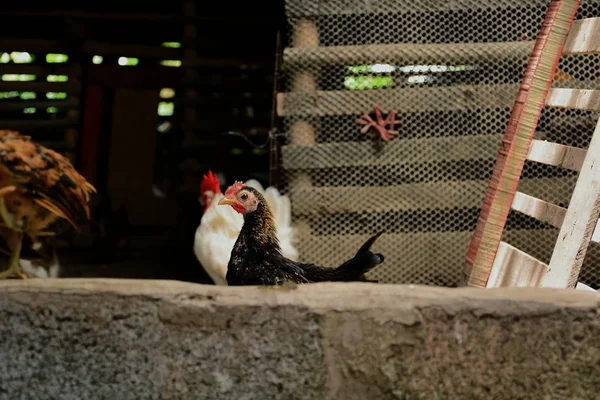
584,37
515,268
596,234
539,209
556,154
581,99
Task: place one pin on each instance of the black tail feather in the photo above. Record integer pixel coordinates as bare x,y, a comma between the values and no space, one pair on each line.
367,245
364,260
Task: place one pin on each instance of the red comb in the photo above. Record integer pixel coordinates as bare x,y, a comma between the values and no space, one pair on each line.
236,187
210,182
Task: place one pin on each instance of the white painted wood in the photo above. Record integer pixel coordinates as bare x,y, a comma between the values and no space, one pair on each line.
580,99
515,268
584,37
596,234
579,223
556,154
583,286
539,209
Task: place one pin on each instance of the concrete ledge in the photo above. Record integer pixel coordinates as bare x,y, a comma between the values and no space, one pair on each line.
130,339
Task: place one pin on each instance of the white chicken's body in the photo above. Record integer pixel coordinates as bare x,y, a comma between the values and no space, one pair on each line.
220,227
40,271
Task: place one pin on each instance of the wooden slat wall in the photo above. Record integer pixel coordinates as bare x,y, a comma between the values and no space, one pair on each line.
321,210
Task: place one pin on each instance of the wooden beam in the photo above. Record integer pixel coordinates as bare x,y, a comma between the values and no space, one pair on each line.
141,77
221,62
69,87
219,20
36,69
515,268
410,196
539,209
396,152
423,99
227,99
409,53
227,83
580,221
21,104
33,45
152,17
580,99
34,123
584,37
555,154
132,50
92,48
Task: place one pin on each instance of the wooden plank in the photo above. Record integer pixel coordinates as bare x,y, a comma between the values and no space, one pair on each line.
556,154
222,62
33,123
134,111
579,223
33,69
138,77
580,99
355,154
18,105
583,286
409,53
91,47
596,234
304,8
151,17
539,209
407,254
132,50
412,196
34,45
68,87
447,98
515,268
584,37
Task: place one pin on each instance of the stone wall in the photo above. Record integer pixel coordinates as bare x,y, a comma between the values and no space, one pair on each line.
131,339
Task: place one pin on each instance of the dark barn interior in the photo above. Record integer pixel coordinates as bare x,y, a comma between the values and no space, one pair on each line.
140,97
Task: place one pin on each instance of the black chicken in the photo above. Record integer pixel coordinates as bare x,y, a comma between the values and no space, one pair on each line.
256,257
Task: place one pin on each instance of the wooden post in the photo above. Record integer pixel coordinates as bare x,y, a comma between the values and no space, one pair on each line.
76,38
303,133
189,56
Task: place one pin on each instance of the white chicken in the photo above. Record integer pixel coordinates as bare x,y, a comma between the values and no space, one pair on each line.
220,226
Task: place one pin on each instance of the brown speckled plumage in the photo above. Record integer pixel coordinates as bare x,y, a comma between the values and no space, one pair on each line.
47,185
38,186
256,257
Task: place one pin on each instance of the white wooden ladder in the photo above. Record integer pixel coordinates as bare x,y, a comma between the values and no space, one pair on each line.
578,223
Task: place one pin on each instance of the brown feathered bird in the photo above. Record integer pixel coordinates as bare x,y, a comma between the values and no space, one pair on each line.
256,257
38,186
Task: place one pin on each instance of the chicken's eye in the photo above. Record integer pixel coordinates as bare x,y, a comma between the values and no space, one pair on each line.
244,197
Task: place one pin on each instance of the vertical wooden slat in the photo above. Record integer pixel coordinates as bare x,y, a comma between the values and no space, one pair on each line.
517,139
91,134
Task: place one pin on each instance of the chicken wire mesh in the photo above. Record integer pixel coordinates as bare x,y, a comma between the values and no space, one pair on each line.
451,70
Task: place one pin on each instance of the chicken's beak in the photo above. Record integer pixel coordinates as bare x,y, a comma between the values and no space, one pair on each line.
225,201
